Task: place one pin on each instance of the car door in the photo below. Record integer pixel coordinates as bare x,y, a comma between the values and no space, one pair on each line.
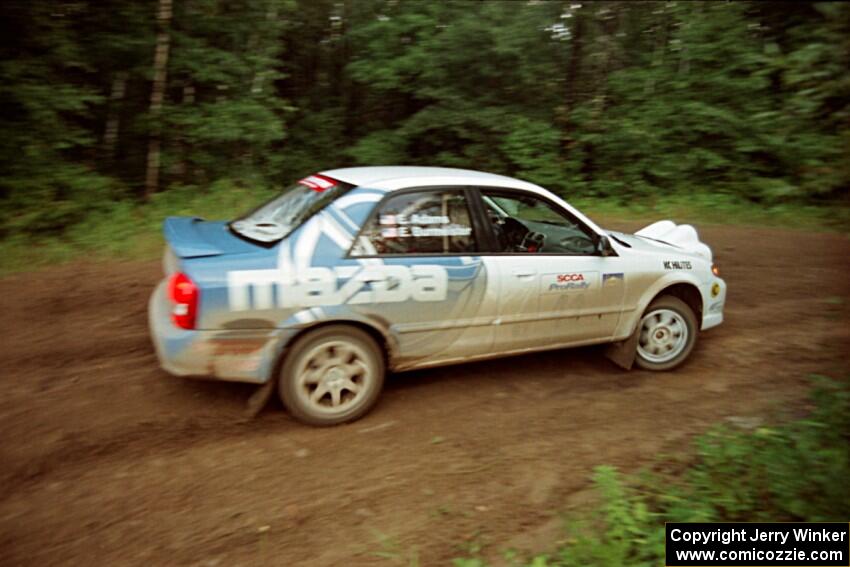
430,234
556,288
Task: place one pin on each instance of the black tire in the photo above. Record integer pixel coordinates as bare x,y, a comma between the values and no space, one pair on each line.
651,353
335,353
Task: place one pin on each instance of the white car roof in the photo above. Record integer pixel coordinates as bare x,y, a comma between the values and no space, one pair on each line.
402,176
391,178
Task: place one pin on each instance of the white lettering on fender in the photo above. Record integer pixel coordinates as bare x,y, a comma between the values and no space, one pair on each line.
430,284
314,287
240,284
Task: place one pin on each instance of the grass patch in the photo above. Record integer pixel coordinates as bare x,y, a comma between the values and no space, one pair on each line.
127,230
132,231
796,471
700,208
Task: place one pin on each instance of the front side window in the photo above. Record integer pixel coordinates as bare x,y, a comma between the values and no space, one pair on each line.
419,222
527,224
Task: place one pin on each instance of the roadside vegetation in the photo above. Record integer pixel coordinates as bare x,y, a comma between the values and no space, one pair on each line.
793,471
128,230
118,113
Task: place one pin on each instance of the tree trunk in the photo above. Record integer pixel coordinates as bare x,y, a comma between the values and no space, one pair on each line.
609,22
160,75
571,94
349,87
180,167
658,52
116,95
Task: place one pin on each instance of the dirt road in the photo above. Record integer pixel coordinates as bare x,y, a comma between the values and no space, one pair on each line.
106,460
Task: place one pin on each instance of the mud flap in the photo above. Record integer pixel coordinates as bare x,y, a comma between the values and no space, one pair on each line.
259,399
623,353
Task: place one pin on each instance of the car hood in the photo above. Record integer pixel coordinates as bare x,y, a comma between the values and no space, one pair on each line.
667,236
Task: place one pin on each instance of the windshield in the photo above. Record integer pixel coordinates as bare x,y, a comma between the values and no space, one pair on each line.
277,218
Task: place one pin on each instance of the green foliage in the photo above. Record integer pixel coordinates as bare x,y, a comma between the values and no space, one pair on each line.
634,102
228,118
477,80
383,147
127,230
532,150
629,533
791,472
43,135
713,106
702,208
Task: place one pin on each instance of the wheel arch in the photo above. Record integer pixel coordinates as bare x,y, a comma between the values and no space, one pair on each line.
686,289
687,292
622,352
382,339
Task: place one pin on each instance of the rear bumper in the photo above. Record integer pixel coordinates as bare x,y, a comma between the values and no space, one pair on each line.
239,355
714,301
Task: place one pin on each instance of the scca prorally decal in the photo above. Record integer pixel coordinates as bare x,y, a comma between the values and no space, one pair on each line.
571,281
313,287
677,265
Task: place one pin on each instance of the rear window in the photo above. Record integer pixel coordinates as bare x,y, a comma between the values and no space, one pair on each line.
277,218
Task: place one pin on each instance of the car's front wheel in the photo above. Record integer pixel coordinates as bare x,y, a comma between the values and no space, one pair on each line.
332,375
667,334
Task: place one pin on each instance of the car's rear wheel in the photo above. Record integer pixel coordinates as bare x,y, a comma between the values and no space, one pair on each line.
667,334
332,375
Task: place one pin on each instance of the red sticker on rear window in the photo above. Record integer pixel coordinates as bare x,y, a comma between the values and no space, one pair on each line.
318,182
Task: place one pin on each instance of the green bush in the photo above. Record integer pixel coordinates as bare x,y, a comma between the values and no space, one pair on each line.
127,229
797,471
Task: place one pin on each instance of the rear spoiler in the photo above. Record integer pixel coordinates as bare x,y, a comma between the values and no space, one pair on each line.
186,240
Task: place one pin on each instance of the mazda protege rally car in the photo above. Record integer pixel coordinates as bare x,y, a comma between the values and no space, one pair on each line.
353,272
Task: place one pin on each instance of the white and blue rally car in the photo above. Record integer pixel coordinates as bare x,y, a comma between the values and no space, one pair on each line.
353,272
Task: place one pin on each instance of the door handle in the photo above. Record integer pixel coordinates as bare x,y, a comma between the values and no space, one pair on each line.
524,273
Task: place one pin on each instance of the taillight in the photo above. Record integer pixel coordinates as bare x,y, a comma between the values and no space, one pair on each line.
715,270
184,295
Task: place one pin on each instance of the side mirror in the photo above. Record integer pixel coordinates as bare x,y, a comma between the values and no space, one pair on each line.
603,246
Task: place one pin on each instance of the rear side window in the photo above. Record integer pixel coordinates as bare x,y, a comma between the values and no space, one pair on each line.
419,222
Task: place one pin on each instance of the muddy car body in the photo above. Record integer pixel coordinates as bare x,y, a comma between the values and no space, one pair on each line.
354,272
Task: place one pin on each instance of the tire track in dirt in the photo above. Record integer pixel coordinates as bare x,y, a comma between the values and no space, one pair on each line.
107,460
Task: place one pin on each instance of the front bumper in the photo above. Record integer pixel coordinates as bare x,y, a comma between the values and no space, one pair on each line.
238,355
714,301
